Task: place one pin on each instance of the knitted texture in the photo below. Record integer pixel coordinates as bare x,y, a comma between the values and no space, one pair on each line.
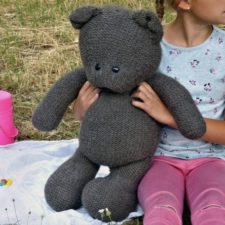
51,110
119,49
189,121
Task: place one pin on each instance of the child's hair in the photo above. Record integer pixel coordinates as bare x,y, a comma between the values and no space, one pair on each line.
170,2
160,6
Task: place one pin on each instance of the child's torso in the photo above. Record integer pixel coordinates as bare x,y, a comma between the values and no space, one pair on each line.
201,70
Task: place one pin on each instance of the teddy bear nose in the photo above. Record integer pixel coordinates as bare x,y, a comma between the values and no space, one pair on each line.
115,69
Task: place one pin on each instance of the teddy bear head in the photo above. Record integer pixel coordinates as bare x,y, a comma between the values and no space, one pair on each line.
119,48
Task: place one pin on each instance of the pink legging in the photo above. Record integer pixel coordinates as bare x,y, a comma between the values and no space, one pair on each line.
161,191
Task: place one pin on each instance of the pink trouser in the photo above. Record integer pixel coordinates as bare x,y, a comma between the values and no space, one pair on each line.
161,191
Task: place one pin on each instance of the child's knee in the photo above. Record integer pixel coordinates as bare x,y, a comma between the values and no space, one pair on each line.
211,214
163,200
209,208
164,214
211,197
162,207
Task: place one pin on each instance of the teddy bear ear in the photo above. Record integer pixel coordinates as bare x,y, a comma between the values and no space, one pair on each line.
82,15
150,21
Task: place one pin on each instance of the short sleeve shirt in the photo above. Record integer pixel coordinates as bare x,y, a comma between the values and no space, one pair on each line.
201,69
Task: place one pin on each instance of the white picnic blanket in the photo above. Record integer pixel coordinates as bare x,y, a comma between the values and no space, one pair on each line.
29,164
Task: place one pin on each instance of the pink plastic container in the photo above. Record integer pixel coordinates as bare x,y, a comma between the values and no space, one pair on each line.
8,131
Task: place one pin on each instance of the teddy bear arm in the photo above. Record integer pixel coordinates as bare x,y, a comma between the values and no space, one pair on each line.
51,110
181,105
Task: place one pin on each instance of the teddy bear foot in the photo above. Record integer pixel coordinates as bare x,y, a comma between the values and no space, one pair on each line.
64,187
117,196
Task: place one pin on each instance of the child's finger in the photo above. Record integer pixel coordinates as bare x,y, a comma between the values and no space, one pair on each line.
139,94
93,99
93,93
85,87
145,87
139,105
86,90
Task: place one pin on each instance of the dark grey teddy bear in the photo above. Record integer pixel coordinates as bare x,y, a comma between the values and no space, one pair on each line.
119,49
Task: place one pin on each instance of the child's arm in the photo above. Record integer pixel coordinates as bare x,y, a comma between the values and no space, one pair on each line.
182,111
51,110
215,131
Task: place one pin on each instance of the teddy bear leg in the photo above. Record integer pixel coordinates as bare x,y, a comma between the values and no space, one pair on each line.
64,187
116,192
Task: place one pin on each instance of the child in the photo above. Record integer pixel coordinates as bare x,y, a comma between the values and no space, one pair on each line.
194,54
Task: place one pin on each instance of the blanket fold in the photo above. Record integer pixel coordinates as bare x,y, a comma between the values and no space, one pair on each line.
28,164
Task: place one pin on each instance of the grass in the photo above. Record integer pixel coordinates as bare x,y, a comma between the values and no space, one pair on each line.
38,45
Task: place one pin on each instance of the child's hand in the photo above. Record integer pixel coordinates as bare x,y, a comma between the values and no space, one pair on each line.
151,104
88,94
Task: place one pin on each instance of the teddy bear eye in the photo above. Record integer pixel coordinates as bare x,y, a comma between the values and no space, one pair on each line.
97,66
115,69
148,18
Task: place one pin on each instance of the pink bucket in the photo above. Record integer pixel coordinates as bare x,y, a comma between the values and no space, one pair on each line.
8,131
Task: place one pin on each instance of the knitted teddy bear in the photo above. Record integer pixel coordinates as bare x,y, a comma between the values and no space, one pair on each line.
119,49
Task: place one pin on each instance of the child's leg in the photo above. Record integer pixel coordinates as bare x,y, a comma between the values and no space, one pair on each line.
161,194
206,193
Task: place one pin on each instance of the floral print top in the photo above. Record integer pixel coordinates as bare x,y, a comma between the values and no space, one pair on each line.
201,69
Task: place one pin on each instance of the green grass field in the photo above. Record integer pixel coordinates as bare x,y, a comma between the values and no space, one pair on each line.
37,46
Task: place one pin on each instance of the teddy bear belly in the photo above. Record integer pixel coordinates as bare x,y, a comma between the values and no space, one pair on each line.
115,136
